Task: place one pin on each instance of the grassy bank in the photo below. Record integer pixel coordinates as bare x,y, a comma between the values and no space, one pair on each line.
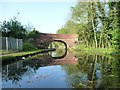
12,57
20,53
8,58
92,50
2,52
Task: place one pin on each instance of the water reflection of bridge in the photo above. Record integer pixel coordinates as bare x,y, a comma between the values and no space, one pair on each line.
68,59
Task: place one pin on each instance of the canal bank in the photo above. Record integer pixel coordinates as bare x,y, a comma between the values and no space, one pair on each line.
7,58
93,50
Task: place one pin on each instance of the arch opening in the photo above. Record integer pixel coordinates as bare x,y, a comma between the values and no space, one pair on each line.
60,48
55,45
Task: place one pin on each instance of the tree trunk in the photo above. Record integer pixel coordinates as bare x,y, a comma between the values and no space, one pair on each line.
93,25
100,40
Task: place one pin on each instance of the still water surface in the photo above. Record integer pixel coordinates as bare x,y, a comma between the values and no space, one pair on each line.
71,71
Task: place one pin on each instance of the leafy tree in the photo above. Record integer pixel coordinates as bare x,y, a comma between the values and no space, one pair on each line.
84,13
32,34
69,28
29,41
63,31
12,28
96,23
115,23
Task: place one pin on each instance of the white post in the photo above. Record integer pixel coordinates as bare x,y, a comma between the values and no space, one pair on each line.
7,43
17,43
21,43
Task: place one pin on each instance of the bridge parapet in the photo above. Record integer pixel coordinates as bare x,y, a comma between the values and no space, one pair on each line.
46,39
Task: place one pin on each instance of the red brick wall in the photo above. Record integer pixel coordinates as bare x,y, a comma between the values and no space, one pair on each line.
69,39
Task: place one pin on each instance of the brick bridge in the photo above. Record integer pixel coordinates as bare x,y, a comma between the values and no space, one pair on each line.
44,39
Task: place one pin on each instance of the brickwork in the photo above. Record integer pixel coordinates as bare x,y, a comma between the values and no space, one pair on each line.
46,39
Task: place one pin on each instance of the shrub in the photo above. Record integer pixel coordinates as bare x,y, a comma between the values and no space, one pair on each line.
28,47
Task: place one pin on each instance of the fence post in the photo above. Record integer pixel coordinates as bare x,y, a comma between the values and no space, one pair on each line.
21,43
0,43
17,43
7,43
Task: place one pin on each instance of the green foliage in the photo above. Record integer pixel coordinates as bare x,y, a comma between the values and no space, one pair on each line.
63,31
28,47
69,28
30,39
115,23
32,34
12,28
92,50
96,23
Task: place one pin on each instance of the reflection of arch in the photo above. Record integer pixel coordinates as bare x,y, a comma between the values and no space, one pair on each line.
61,42
60,56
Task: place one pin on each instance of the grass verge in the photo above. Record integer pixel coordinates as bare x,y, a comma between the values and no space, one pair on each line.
12,57
92,50
19,56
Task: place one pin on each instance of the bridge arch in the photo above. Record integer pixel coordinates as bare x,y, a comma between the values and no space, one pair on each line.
60,42
44,39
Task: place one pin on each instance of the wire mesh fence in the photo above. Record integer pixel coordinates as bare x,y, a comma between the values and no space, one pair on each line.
10,43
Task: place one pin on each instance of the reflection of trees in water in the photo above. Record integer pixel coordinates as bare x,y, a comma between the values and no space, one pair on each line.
93,71
110,72
58,53
16,71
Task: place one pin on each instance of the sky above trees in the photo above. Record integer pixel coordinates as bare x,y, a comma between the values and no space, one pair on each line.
46,17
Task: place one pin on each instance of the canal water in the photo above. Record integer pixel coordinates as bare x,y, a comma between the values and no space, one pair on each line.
67,71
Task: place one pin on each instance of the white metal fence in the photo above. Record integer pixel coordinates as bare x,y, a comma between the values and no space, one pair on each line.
9,43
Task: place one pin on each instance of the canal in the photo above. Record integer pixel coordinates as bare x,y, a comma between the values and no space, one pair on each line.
62,69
